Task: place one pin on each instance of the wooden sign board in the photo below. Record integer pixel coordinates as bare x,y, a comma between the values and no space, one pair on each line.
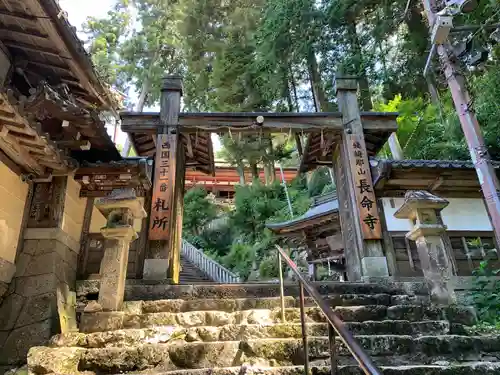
163,188
363,185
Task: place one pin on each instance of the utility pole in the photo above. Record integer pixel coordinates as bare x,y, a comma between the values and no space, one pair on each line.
470,126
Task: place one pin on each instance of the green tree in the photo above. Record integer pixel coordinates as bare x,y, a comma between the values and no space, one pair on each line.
198,211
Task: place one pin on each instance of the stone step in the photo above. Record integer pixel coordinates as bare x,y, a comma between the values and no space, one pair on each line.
474,368
239,304
109,321
384,350
238,332
136,290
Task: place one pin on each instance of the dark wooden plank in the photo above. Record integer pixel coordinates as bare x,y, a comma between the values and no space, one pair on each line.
14,167
307,122
84,238
15,29
32,48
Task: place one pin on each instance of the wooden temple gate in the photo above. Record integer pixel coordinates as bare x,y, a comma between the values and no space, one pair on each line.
344,139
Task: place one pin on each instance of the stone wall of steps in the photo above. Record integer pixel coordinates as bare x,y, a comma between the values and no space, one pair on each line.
219,329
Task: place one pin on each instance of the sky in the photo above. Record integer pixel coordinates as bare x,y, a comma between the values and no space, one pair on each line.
79,10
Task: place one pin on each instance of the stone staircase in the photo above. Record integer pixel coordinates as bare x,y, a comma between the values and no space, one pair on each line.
236,329
190,274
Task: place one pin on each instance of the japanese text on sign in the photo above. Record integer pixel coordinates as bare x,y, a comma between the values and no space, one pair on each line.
159,227
363,185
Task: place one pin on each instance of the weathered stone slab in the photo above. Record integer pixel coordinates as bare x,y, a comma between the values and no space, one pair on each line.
36,285
101,321
37,309
238,332
22,263
7,270
46,360
21,339
9,311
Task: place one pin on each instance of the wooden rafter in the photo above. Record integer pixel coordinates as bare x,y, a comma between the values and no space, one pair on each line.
34,33
17,15
32,48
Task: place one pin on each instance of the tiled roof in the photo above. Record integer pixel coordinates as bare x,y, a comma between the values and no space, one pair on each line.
314,212
458,164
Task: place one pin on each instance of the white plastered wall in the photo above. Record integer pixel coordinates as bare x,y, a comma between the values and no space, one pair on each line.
13,194
462,214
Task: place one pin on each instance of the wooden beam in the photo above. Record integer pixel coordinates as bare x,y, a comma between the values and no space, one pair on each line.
74,145
298,141
51,66
17,15
246,122
50,27
32,48
436,183
25,32
189,146
9,163
20,156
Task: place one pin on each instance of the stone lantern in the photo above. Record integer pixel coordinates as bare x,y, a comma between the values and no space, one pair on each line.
423,209
120,209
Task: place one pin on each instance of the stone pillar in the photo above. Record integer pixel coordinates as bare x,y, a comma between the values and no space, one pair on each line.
360,219
311,271
120,209
423,209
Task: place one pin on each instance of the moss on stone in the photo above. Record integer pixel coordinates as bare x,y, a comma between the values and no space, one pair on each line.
285,331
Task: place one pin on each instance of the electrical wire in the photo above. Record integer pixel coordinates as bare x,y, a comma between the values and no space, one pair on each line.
483,25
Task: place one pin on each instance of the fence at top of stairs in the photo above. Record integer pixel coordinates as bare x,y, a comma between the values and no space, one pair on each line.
207,265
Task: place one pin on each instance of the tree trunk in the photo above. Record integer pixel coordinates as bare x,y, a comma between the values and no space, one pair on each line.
294,88
360,71
267,174
286,90
241,172
319,97
272,169
139,108
255,171
146,86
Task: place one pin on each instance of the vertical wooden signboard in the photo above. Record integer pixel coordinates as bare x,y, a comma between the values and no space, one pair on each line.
163,189
363,185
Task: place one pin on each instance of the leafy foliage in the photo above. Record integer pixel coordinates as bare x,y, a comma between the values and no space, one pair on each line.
486,293
282,55
198,211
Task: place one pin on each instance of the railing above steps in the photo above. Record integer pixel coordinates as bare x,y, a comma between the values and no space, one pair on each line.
210,267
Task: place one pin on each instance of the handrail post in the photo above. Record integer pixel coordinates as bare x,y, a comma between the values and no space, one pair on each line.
364,361
304,329
333,349
282,288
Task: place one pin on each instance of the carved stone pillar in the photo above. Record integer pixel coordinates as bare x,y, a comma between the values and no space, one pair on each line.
423,209
120,210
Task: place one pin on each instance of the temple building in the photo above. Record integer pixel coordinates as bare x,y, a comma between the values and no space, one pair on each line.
225,178
469,233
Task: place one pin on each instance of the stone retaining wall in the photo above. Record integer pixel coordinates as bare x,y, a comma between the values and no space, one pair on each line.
28,314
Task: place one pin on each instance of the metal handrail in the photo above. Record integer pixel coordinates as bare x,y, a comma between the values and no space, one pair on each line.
210,267
335,323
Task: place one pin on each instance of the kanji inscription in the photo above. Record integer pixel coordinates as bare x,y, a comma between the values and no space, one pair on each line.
363,185
159,226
